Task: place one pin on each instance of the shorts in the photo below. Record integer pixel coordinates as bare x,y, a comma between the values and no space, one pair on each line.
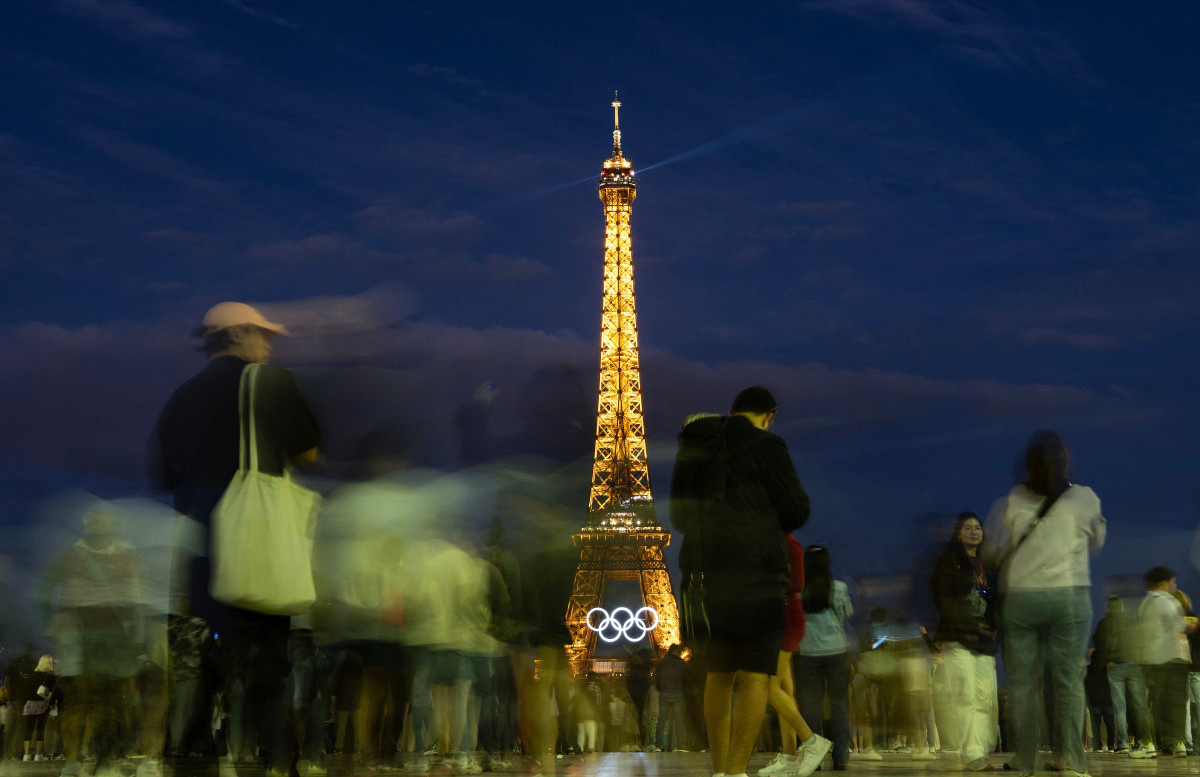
746,628
449,667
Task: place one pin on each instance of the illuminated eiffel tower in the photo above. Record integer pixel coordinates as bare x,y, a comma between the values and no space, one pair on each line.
622,540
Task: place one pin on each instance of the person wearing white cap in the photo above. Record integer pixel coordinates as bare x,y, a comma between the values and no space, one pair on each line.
193,453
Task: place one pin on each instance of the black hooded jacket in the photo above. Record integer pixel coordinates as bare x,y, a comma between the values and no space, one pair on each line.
735,495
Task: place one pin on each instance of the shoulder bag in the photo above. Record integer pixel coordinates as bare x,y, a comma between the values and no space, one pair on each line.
262,528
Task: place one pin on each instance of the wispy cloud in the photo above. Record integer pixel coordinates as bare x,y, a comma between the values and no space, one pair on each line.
977,32
258,13
148,159
128,20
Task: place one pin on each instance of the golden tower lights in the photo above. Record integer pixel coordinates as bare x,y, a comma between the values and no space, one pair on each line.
622,539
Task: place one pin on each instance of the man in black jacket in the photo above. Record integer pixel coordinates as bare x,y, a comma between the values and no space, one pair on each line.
735,495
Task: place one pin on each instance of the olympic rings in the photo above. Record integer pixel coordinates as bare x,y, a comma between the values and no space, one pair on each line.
611,628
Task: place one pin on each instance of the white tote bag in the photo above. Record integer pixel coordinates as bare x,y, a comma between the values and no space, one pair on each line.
262,529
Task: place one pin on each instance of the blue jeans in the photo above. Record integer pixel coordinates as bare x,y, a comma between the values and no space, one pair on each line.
671,708
1128,688
1193,697
1050,626
816,676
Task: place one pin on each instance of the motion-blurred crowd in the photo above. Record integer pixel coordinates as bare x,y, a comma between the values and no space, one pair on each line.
437,633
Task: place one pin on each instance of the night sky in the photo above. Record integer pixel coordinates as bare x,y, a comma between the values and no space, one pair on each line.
930,227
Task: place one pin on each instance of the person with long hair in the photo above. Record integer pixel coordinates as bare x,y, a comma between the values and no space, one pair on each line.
36,709
1045,531
966,640
824,663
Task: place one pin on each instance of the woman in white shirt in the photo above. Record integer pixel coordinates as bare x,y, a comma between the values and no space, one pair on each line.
1046,531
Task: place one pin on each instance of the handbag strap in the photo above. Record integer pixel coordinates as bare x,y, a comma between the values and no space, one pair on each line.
246,417
1043,511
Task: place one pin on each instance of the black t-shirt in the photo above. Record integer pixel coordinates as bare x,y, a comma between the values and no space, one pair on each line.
194,445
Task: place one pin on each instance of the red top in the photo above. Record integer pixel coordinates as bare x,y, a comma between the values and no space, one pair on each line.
793,629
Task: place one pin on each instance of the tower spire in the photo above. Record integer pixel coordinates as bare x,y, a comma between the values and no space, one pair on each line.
616,106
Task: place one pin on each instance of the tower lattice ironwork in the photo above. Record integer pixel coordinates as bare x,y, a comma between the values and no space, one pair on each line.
622,539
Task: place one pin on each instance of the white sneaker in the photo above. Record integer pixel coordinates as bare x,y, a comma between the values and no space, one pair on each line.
867,755
777,764
808,757
1143,752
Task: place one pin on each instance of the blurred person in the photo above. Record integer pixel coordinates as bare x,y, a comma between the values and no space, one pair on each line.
916,695
1165,658
1193,686
1100,707
193,453
498,732
89,597
1045,531
347,684
824,663
367,550
877,671
637,684
310,686
781,694
189,644
36,709
1117,648
493,668
585,711
967,643
735,496
19,676
668,679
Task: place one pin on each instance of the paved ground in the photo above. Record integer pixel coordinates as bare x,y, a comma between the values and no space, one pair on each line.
661,765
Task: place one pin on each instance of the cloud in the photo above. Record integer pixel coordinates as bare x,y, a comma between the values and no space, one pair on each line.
257,13
1084,341
447,74
149,160
128,20
426,370
977,32
456,230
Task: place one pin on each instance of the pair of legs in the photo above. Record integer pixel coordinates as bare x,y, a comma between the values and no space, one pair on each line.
92,703
781,695
541,673
968,692
734,706
1128,688
35,734
1167,684
1102,715
821,675
1050,625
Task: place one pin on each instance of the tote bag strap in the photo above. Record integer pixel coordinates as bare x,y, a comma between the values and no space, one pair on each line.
246,418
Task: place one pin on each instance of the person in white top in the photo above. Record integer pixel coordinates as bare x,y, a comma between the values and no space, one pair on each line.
1165,657
1044,533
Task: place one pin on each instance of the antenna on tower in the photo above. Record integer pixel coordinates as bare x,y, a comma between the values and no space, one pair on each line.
616,106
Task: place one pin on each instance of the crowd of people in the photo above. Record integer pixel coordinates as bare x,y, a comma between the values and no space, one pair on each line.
426,640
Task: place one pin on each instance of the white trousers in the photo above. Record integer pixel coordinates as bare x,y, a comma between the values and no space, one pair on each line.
968,691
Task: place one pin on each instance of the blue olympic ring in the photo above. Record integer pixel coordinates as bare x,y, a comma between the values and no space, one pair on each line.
611,628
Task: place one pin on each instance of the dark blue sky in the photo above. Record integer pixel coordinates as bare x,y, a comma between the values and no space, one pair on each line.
931,227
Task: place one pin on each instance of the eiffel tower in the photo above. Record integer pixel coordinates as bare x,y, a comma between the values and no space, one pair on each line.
622,540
